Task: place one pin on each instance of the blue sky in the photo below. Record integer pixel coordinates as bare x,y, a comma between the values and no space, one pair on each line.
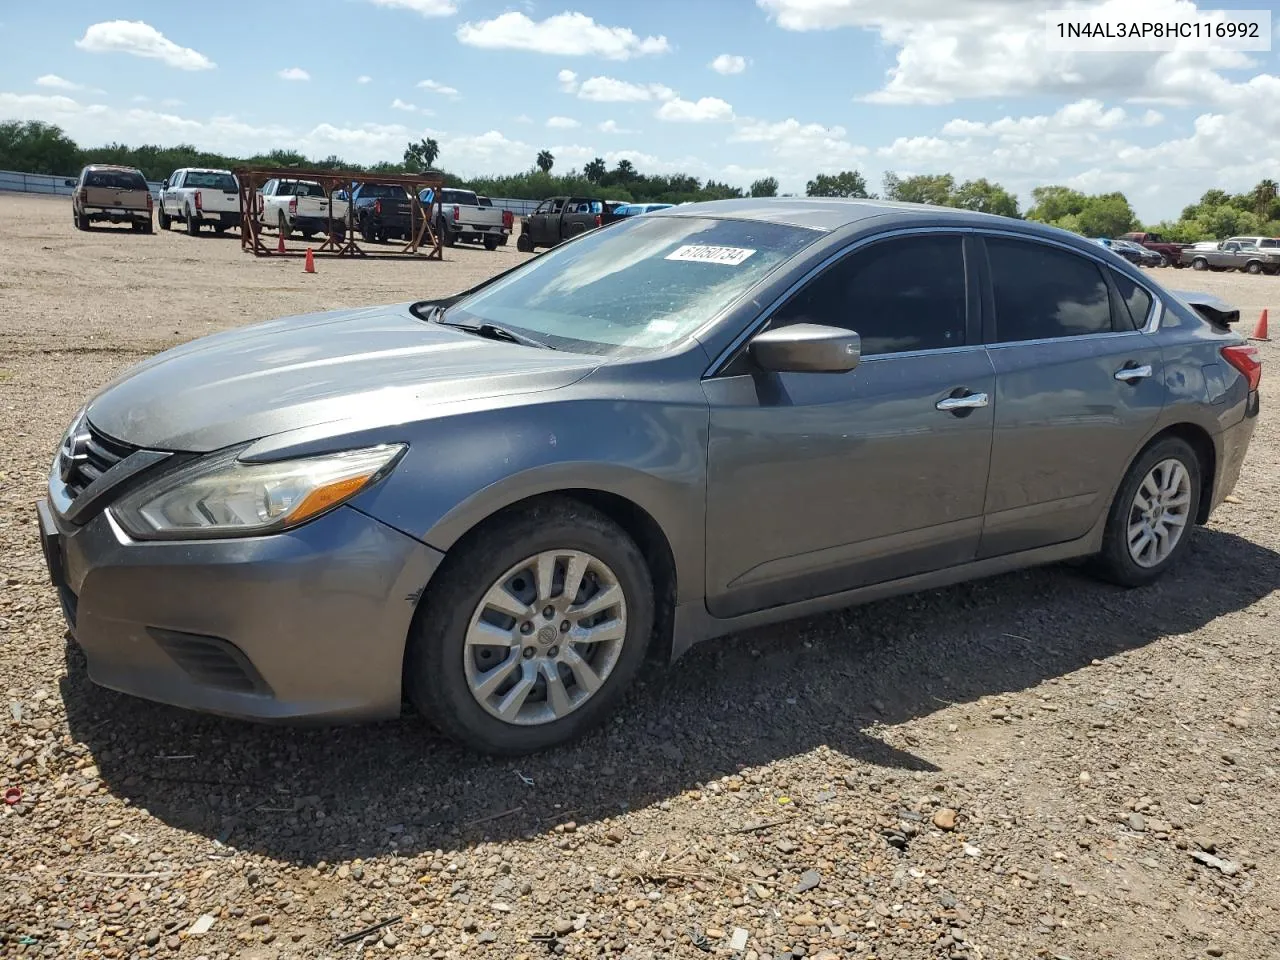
731,89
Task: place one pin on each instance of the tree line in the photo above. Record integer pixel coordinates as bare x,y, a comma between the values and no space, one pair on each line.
36,147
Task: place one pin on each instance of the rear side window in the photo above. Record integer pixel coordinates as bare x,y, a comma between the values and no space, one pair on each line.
1136,302
899,295
1043,293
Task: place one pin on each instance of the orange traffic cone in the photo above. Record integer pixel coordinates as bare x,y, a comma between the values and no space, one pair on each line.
1260,332
310,266
280,244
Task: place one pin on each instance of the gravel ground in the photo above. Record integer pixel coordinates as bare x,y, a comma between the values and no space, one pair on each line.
1033,766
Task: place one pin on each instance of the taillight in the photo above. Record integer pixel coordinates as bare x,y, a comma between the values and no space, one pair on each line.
457,214
599,220
1246,358
377,208
199,202
150,200
507,219
84,195
293,205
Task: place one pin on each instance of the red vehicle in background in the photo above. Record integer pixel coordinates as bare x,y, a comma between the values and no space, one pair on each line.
1172,252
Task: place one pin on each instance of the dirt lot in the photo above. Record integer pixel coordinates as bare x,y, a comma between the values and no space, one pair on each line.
1034,766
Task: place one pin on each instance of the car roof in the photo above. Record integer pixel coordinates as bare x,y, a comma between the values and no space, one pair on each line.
828,214
111,166
204,170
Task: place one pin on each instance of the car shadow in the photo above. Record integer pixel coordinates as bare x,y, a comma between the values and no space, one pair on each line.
307,794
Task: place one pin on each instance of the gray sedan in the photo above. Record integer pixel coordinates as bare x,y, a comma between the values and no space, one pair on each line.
703,419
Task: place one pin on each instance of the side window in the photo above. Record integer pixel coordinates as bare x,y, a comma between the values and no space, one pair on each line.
555,206
1136,302
175,181
543,207
899,295
1042,292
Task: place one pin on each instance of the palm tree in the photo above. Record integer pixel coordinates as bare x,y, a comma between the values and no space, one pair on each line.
1264,195
595,170
545,161
625,170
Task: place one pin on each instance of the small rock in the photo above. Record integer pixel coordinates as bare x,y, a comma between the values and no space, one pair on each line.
1195,799
261,920
203,925
1230,868
786,846
739,939
944,818
1137,822
487,936
808,880
152,937
390,940
971,851
999,713
1214,951
562,926
805,920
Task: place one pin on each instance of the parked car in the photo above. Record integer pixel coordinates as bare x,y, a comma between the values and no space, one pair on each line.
561,218
461,217
1135,254
1232,255
1153,241
111,193
1263,243
300,205
382,211
196,196
635,209
696,421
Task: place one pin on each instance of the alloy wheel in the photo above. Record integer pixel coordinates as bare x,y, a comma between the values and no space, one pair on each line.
1159,513
545,637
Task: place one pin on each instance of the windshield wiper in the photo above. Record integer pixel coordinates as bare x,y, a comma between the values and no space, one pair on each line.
493,331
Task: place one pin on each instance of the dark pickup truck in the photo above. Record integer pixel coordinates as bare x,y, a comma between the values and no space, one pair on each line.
560,218
382,211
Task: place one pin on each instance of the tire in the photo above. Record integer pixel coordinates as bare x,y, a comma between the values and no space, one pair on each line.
1116,561
491,243
147,227
219,228
447,237
82,221
367,231
436,665
1199,264
1253,267
165,220
524,243
193,224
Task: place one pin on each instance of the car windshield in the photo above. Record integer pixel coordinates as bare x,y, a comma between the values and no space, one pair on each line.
211,181
118,179
382,191
304,188
640,285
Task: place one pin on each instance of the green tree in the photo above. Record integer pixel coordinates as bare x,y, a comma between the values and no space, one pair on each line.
985,197
849,183
545,161
765,187
36,147
1107,215
936,189
422,155
1050,204
595,170
625,171
1264,198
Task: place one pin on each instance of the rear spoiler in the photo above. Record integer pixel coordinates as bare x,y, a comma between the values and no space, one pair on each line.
1214,309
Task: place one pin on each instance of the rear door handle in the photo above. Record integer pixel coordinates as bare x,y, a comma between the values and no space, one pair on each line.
970,402
1134,373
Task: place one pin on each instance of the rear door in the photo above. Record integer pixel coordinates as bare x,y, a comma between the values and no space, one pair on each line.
823,482
1079,386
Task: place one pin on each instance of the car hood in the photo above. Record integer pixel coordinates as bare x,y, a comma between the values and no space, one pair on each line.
297,372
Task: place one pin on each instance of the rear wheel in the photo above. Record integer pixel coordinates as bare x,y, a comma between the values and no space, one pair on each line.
1151,519
1199,263
533,632
164,219
193,224
1253,267
524,243
491,243
366,230
82,221
147,227
447,236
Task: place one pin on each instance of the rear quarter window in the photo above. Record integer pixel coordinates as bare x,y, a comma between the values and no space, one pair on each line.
1043,292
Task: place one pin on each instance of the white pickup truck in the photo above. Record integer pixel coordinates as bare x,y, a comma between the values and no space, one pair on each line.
197,196
467,218
300,205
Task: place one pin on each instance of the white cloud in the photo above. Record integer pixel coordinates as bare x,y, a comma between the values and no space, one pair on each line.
568,80
141,40
562,123
56,82
728,63
1083,115
524,118
435,87
609,90
705,110
363,79
611,126
800,148
293,73
574,34
1152,118
398,104
139,98
428,8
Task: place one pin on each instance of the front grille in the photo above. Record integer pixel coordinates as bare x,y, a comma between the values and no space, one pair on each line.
210,661
100,454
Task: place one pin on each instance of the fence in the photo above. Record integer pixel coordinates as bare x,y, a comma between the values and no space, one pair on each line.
43,183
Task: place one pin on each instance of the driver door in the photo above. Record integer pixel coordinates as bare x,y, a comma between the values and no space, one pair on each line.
823,482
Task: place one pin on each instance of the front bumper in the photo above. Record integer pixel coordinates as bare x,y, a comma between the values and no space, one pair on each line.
310,623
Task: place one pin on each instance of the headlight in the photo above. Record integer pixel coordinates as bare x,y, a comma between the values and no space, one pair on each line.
222,497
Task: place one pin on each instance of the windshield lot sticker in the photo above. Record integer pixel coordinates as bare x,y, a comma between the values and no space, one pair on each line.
699,253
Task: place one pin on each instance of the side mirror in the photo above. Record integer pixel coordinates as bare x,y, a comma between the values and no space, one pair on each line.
68,183
165,185
807,347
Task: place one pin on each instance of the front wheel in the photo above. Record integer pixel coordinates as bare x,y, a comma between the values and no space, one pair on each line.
1151,519
534,630
524,243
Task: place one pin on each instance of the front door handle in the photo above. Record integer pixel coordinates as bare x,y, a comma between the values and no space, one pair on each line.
968,402
1134,373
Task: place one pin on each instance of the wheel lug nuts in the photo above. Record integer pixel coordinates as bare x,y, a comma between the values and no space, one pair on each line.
564,626
526,627
553,651
529,652
549,612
